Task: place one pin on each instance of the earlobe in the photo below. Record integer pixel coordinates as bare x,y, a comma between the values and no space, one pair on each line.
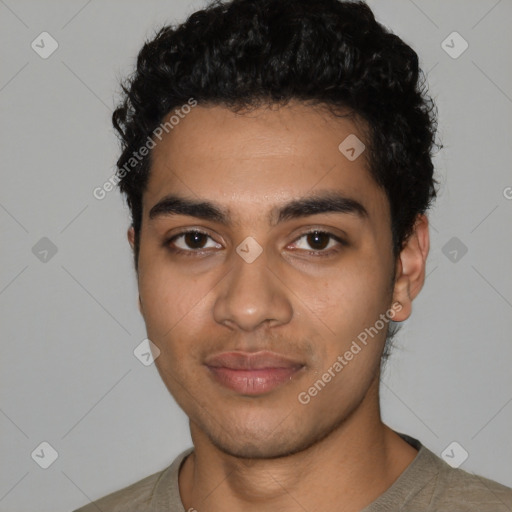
410,268
131,236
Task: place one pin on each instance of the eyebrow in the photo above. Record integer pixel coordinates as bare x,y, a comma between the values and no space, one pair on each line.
327,202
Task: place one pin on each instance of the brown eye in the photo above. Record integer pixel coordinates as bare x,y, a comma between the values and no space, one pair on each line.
192,241
319,243
318,240
195,239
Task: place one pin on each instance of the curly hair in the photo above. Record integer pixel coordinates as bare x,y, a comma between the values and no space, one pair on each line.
243,53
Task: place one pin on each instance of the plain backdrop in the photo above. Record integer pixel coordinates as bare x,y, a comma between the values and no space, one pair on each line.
68,297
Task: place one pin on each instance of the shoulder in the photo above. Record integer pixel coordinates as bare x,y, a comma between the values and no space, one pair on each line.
451,488
142,495
431,484
458,487
136,496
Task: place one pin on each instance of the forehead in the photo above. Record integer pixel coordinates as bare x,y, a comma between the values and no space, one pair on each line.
260,158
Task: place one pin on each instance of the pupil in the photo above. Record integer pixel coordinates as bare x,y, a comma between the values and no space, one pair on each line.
316,238
194,240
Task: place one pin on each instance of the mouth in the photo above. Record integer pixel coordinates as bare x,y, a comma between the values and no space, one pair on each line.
252,373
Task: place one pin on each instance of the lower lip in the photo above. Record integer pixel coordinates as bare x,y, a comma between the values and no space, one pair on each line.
252,382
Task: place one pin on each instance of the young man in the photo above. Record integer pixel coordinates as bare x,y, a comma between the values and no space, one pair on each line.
277,164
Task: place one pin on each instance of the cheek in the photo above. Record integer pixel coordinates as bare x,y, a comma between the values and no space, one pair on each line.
170,297
352,298
350,304
176,307
348,345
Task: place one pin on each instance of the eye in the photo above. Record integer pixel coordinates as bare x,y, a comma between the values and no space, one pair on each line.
192,241
317,242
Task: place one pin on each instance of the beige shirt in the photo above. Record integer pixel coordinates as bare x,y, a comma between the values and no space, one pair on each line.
428,484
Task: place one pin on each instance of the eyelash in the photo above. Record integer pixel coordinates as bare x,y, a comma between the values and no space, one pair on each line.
194,252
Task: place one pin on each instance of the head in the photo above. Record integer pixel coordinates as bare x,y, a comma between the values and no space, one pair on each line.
279,205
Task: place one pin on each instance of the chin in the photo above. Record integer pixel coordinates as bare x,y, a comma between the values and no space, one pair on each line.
248,449
264,444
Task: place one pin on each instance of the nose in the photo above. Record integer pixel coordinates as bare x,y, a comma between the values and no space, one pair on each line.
251,296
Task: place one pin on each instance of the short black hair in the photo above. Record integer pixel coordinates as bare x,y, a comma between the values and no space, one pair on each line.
245,53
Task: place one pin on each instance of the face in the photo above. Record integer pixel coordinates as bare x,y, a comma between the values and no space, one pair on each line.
264,255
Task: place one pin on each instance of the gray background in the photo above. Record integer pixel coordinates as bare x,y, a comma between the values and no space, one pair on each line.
69,325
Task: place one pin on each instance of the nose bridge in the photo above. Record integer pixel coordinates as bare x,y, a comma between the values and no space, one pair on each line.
250,295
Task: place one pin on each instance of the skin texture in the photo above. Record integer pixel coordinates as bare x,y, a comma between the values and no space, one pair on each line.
269,451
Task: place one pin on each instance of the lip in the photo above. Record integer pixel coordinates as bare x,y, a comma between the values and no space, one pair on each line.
252,373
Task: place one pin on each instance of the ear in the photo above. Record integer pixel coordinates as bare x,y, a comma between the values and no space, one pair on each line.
410,268
131,237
